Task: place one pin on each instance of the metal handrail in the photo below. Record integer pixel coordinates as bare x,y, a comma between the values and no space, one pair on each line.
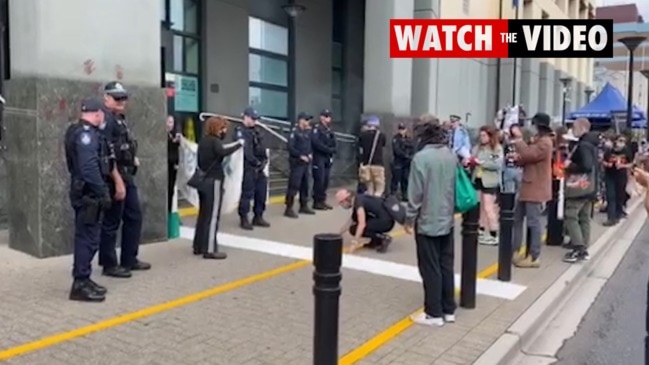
271,128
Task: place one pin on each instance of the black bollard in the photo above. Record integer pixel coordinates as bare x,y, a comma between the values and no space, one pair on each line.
468,281
505,250
555,225
327,259
646,337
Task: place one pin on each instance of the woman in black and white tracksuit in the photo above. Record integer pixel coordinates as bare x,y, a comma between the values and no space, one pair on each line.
211,152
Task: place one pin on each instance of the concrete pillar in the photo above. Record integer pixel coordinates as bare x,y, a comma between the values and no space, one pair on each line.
388,82
425,71
55,63
530,85
546,88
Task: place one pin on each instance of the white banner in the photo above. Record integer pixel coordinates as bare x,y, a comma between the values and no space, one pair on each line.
232,167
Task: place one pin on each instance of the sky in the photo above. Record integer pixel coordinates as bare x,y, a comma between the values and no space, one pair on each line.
643,5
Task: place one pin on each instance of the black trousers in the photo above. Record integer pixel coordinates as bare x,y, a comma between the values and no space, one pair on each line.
400,172
435,258
172,172
210,198
374,228
616,195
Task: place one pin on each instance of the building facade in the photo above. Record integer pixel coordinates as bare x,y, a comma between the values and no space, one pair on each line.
222,55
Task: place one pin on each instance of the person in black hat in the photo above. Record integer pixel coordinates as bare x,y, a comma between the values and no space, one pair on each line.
255,181
125,209
300,156
324,148
535,158
88,160
402,149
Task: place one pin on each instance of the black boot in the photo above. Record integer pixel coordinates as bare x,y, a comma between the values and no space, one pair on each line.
84,291
259,221
244,223
117,272
385,240
215,256
289,212
304,209
329,207
100,289
319,206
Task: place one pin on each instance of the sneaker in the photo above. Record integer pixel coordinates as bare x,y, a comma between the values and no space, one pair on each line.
488,240
426,320
449,318
585,256
572,256
528,263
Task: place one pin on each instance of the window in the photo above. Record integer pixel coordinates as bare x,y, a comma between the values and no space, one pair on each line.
186,55
163,10
271,103
268,37
184,16
268,68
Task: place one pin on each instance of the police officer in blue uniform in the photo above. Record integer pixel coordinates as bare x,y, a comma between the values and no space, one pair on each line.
323,141
89,163
255,181
126,202
402,150
300,156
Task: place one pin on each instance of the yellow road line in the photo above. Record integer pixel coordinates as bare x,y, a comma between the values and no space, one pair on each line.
192,211
146,312
396,329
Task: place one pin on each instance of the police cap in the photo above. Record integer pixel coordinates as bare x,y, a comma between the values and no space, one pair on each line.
305,116
326,113
401,126
116,90
455,118
250,112
91,105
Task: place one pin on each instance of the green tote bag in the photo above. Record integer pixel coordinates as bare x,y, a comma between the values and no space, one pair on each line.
466,197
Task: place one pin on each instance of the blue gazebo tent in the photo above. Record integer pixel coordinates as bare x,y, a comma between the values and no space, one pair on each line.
601,109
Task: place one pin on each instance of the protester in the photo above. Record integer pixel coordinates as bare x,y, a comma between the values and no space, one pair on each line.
535,158
372,169
512,174
369,220
402,150
581,185
487,157
211,152
430,211
173,158
617,161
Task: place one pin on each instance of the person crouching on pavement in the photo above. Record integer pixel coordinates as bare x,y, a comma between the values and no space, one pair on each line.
429,212
370,220
211,152
487,157
535,158
582,183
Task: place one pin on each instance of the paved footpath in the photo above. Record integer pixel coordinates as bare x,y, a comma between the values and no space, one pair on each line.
255,308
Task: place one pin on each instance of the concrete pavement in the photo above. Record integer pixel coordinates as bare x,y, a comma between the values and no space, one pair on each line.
253,308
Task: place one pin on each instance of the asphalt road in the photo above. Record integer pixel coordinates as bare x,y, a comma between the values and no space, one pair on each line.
613,330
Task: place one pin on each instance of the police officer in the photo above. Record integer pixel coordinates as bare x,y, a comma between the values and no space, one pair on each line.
300,156
88,158
323,141
126,203
402,149
255,180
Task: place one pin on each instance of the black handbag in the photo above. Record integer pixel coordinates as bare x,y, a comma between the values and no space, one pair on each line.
198,178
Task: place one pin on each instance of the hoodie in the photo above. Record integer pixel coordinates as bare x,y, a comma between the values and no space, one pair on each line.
583,163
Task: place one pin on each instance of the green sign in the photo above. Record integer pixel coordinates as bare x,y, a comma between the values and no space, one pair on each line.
186,94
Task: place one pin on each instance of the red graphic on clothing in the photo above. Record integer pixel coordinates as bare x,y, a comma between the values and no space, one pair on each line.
89,67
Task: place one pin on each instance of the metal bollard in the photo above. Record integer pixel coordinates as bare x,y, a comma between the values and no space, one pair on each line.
555,225
327,259
505,250
468,281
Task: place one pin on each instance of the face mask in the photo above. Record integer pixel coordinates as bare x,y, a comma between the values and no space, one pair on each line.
534,129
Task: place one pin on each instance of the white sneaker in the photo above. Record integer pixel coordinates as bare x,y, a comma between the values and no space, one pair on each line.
488,240
426,320
449,318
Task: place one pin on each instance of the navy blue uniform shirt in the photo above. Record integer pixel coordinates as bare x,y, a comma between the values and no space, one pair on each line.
88,157
122,142
254,151
324,142
299,143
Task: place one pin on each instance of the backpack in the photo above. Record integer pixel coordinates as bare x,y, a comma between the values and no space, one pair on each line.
395,208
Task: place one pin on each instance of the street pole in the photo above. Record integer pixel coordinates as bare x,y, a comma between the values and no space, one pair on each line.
505,250
469,257
631,44
589,92
565,82
327,259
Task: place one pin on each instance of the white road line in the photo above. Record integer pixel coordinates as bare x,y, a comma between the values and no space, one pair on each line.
488,287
